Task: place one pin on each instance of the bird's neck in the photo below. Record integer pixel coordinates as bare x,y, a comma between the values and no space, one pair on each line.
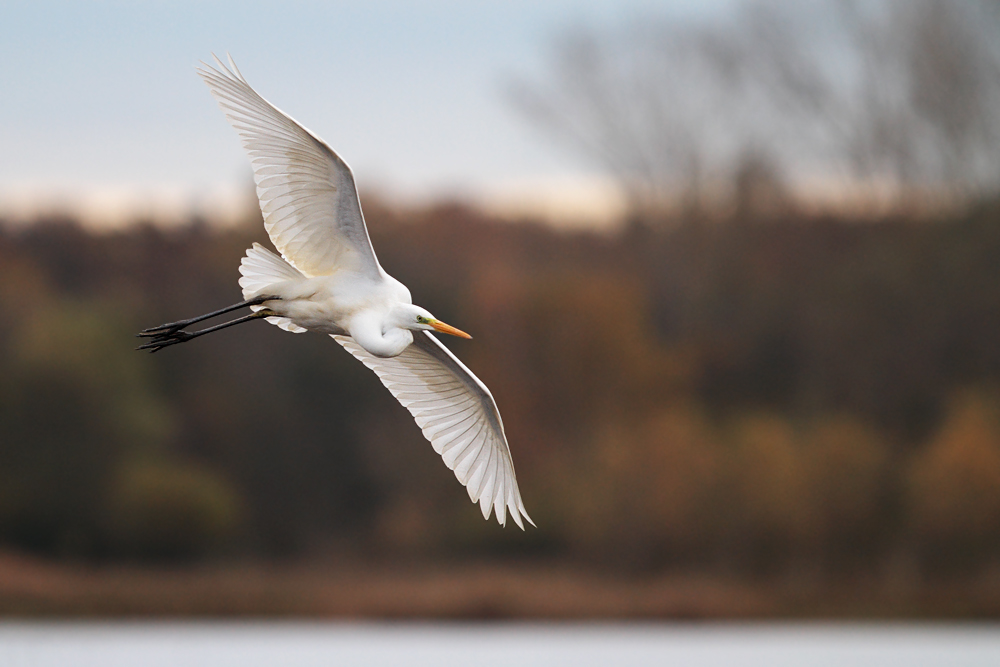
379,339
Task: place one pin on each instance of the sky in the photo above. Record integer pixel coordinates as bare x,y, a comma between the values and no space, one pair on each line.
102,108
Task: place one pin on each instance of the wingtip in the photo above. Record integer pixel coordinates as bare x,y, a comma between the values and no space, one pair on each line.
212,74
516,516
207,70
236,70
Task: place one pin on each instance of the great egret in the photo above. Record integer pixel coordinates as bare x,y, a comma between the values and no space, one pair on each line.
327,279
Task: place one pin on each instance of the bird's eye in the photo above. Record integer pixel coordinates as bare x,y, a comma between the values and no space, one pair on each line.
420,318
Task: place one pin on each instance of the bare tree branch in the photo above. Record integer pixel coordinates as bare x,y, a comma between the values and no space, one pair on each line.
898,97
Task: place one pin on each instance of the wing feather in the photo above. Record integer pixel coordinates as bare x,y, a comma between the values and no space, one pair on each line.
307,193
457,414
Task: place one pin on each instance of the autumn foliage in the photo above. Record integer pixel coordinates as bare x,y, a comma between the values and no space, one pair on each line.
797,394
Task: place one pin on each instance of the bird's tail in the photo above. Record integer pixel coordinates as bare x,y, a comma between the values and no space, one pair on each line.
261,268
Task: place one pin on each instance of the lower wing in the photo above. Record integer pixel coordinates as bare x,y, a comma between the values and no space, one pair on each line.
457,414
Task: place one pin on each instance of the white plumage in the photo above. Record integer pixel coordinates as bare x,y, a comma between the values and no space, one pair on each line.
457,414
261,268
328,279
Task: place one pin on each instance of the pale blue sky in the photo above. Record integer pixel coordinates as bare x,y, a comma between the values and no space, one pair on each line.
410,93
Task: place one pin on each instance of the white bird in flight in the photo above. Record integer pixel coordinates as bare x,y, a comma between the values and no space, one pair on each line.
328,279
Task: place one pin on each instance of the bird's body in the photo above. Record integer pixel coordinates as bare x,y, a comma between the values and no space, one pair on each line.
340,303
328,280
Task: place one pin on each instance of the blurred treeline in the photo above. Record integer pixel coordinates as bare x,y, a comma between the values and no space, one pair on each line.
803,393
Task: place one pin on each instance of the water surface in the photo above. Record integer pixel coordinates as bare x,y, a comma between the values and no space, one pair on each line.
231,644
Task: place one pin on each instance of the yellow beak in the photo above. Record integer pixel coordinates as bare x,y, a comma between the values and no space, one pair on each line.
448,329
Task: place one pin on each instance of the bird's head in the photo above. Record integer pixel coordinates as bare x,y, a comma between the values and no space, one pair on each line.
415,318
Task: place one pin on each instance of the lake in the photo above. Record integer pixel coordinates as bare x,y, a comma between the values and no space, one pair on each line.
252,644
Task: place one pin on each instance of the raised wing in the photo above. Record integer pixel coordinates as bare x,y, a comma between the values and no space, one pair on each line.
457,414
307,193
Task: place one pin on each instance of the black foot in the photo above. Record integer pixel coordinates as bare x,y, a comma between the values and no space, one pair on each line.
171,334
169,329
166,329
172,337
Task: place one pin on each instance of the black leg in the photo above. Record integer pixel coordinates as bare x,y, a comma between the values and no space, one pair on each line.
177,326
172,337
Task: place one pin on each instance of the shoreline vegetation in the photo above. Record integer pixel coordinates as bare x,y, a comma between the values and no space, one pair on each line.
33,588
